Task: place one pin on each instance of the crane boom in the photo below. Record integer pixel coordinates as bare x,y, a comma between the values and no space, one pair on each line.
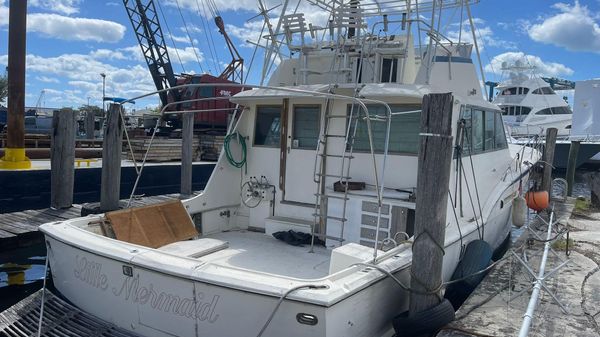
144,19
235,69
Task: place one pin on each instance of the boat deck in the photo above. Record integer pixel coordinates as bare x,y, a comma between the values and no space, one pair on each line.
263,253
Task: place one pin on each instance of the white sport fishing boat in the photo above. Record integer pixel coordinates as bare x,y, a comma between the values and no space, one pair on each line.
210,266
529,105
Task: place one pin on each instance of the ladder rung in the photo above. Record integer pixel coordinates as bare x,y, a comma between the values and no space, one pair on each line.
333,176
335,156
336,136
340,116
331,217
332,196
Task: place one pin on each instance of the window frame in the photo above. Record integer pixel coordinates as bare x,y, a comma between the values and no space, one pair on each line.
467,151
391,152
293,133
257,107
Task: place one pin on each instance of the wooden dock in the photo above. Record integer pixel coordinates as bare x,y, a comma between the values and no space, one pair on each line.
60,319
20,229
497,306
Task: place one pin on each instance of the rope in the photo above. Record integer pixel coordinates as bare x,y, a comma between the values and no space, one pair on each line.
306,286
228,154
39,332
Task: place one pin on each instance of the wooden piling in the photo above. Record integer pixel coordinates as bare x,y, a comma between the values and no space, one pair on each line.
435,155
548,159
187,153
572,165
90,124
111,160
62,159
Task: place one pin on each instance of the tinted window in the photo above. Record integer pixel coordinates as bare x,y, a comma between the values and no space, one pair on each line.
266,130
404,129
483,130
306,127
543,91
500,136
557,110
389,70
509,91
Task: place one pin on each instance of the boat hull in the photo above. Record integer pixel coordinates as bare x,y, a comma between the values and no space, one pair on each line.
154,303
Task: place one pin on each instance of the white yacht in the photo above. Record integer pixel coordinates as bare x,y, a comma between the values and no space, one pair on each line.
530,106
328,148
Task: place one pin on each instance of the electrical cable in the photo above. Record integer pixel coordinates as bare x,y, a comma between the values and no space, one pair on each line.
189,36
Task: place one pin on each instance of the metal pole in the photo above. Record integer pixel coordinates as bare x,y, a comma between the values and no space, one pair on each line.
14,156
103,93
527,318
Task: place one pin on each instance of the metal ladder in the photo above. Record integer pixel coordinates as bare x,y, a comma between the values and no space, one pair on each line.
321,196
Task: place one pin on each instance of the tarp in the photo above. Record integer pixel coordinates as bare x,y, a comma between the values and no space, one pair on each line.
586,109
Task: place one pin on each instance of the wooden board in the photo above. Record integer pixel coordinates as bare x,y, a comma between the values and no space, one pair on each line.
153,226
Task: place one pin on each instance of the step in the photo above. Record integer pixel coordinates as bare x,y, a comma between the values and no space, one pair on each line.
334,176
336,156
275,224
341,197
335,136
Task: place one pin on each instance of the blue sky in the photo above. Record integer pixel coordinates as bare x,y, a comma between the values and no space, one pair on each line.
70,42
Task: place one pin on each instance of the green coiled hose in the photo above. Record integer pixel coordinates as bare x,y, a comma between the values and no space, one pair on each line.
242,141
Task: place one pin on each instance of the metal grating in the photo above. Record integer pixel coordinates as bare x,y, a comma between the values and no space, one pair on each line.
61,319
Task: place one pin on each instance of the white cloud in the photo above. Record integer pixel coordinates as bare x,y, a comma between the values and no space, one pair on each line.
79,29
484,34
575,29
47,79
541,67
108,54
67,7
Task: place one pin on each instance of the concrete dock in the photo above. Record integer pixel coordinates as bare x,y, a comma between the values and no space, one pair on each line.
497,306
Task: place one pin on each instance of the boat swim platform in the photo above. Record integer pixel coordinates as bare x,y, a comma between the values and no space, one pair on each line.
20,229
60,319
487,312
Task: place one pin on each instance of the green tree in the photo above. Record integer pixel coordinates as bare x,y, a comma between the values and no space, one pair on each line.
91,108
3,88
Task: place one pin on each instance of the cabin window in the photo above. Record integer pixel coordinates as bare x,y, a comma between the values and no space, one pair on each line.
267,127
557,110
305,127
500,136
404,129
543,91
509,91
515,110
483,131
389,70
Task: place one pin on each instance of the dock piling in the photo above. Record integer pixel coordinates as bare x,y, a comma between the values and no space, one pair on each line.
572,165
111,160
90,121
435,155
548,159
62,159
14,154
187,153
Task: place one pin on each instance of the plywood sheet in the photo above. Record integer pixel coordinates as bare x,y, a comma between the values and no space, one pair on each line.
153,226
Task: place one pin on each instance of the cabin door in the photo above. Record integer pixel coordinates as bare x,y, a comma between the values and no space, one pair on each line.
301,145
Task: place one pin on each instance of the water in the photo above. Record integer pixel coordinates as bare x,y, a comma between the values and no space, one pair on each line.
21,274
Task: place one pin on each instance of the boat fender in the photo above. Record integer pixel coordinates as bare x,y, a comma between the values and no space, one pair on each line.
537,200
519,211
477,257
425,322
